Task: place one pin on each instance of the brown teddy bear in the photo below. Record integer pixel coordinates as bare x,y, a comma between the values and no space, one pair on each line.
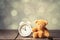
40,30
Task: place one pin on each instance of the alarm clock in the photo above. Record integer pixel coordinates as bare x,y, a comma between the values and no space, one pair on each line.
25,29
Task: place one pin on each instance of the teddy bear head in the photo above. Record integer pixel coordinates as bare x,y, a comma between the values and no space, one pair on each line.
41,23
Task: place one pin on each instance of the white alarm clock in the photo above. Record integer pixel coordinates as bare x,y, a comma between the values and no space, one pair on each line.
25,29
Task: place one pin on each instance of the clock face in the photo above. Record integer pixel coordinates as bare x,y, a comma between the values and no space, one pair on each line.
25,30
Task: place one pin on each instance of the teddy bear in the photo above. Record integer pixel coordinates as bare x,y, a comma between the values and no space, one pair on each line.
40,30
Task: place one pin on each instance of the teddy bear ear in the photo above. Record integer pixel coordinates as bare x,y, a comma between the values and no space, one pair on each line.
46,21
35,21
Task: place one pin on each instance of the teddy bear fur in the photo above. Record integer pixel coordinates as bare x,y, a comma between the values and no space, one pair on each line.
40,30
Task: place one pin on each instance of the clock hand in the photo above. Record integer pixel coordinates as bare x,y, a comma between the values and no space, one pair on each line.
25,29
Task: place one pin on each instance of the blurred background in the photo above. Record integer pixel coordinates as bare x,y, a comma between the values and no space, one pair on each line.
14,11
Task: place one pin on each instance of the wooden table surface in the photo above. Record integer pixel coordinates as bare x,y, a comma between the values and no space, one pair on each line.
11,34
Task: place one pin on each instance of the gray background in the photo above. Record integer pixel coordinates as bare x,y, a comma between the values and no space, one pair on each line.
14,11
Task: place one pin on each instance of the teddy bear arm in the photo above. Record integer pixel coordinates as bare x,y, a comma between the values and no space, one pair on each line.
34,29
46,33
35,34
45,29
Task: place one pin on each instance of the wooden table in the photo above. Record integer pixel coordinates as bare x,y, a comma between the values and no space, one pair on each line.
11,34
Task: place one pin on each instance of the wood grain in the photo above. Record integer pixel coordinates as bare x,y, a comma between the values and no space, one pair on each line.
11,34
